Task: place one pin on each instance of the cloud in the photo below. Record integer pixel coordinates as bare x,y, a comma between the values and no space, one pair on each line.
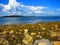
16,8
58,9
1,6
12,4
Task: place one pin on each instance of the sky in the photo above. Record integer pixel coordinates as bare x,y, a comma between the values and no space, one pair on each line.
30,7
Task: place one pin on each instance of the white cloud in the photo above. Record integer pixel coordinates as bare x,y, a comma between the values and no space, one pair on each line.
58,9
50,12
34,8
15,8
11,4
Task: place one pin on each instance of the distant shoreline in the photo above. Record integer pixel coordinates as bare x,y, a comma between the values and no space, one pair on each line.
27,19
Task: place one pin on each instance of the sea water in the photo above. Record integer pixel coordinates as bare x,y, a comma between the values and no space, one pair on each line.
28,20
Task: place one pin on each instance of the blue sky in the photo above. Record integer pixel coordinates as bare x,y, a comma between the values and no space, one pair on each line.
49,3
30,7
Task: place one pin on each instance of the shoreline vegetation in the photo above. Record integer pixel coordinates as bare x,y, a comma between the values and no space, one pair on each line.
15,34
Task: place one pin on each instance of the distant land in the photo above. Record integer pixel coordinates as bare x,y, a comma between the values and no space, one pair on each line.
15,16
29,16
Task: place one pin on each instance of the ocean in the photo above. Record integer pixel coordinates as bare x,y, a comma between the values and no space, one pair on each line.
28,20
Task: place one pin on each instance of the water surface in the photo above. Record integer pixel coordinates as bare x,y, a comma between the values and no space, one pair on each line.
28,20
